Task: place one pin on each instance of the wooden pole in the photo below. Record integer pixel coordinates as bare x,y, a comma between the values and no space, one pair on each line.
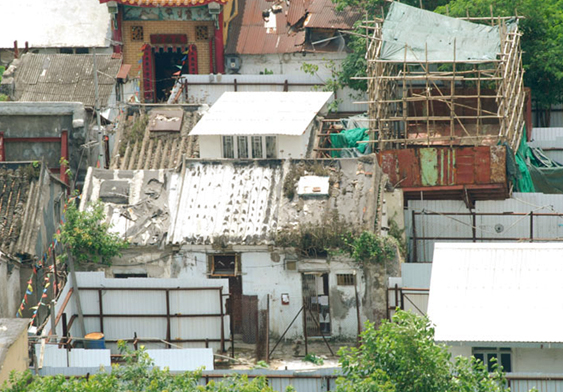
70,262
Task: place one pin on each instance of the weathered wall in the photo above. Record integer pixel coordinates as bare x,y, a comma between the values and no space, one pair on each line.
9,288
16,358
263,274
43,119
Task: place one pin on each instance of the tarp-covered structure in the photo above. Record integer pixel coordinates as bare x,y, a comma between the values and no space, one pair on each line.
428,35
435,80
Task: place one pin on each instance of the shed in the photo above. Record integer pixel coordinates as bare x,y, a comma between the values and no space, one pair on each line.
260,124
500,300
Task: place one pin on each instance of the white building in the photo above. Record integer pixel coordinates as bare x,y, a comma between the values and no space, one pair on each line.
272,125
219,220
500,300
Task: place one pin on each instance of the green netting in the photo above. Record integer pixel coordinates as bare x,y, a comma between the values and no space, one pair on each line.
432,36
537,172
349,138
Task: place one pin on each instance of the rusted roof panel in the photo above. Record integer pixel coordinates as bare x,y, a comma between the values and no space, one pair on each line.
442,166
249,35
323,15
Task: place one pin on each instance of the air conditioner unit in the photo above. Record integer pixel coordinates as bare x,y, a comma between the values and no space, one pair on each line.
233,63
112,7
214,8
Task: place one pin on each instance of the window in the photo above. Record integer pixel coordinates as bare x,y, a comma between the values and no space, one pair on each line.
345,279
66,51
242,147
201,33
257,147
270,147
125,276
224,264
81,51
228,147
487,354
137,33
249,147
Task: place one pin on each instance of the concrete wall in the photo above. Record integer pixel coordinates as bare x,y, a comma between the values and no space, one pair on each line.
263,274
210,147
10,296
16,358
43,119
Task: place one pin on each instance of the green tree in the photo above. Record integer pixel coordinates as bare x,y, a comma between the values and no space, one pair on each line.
87,235
401,356
138,374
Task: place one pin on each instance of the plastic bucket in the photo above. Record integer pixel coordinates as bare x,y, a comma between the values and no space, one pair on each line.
94,340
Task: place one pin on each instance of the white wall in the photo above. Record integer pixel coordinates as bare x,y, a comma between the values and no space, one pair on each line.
9,289
525,360
209,147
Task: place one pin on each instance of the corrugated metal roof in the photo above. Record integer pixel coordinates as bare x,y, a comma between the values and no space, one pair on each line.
55,23
65,78
547,137
248,33
262,113
238,202
507,292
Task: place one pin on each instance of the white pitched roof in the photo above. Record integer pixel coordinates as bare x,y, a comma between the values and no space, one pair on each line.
501,292
261,113
55,23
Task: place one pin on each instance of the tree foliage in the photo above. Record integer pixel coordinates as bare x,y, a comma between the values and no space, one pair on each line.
401,356
138,374
87,235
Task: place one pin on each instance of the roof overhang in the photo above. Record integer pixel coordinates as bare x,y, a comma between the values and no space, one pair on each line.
261,114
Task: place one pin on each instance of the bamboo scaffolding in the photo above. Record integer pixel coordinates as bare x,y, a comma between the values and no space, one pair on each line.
449,100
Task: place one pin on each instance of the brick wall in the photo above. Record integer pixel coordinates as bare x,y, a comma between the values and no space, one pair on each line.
132,49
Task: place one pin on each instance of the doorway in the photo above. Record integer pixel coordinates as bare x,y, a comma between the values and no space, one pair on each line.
166,64
235,303
316,304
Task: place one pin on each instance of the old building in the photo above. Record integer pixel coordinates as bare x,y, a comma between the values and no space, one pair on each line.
243,222
261,125
164,37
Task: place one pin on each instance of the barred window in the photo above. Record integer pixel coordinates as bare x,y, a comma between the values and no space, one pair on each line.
345,279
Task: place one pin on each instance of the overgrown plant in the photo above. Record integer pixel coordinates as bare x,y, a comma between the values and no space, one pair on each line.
88,237
138,374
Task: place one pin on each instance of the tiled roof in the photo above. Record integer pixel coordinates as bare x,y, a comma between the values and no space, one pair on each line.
21,206
248,34
65,78
154,150
166,3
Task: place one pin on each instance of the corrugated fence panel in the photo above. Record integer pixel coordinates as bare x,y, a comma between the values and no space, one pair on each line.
540,385
488,226
202,90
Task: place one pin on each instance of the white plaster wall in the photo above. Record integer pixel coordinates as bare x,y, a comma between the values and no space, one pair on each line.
293,146
290,63
209,147
460,351
537,360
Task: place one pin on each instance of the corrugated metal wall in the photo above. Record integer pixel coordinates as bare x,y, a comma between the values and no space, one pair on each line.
499,226
202,90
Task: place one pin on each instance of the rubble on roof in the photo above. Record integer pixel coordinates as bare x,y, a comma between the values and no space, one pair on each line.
233,202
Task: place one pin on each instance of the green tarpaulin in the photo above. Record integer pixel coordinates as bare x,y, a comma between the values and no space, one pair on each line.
349,138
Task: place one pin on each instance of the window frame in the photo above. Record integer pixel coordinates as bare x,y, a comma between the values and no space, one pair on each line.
211,265
485,352
265,142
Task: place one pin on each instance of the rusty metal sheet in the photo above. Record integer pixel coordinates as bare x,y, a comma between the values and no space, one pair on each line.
439,167
166,120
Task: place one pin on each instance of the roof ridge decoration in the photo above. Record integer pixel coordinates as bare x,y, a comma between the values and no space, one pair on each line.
165,3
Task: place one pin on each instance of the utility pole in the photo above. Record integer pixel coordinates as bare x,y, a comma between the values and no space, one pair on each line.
97,110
